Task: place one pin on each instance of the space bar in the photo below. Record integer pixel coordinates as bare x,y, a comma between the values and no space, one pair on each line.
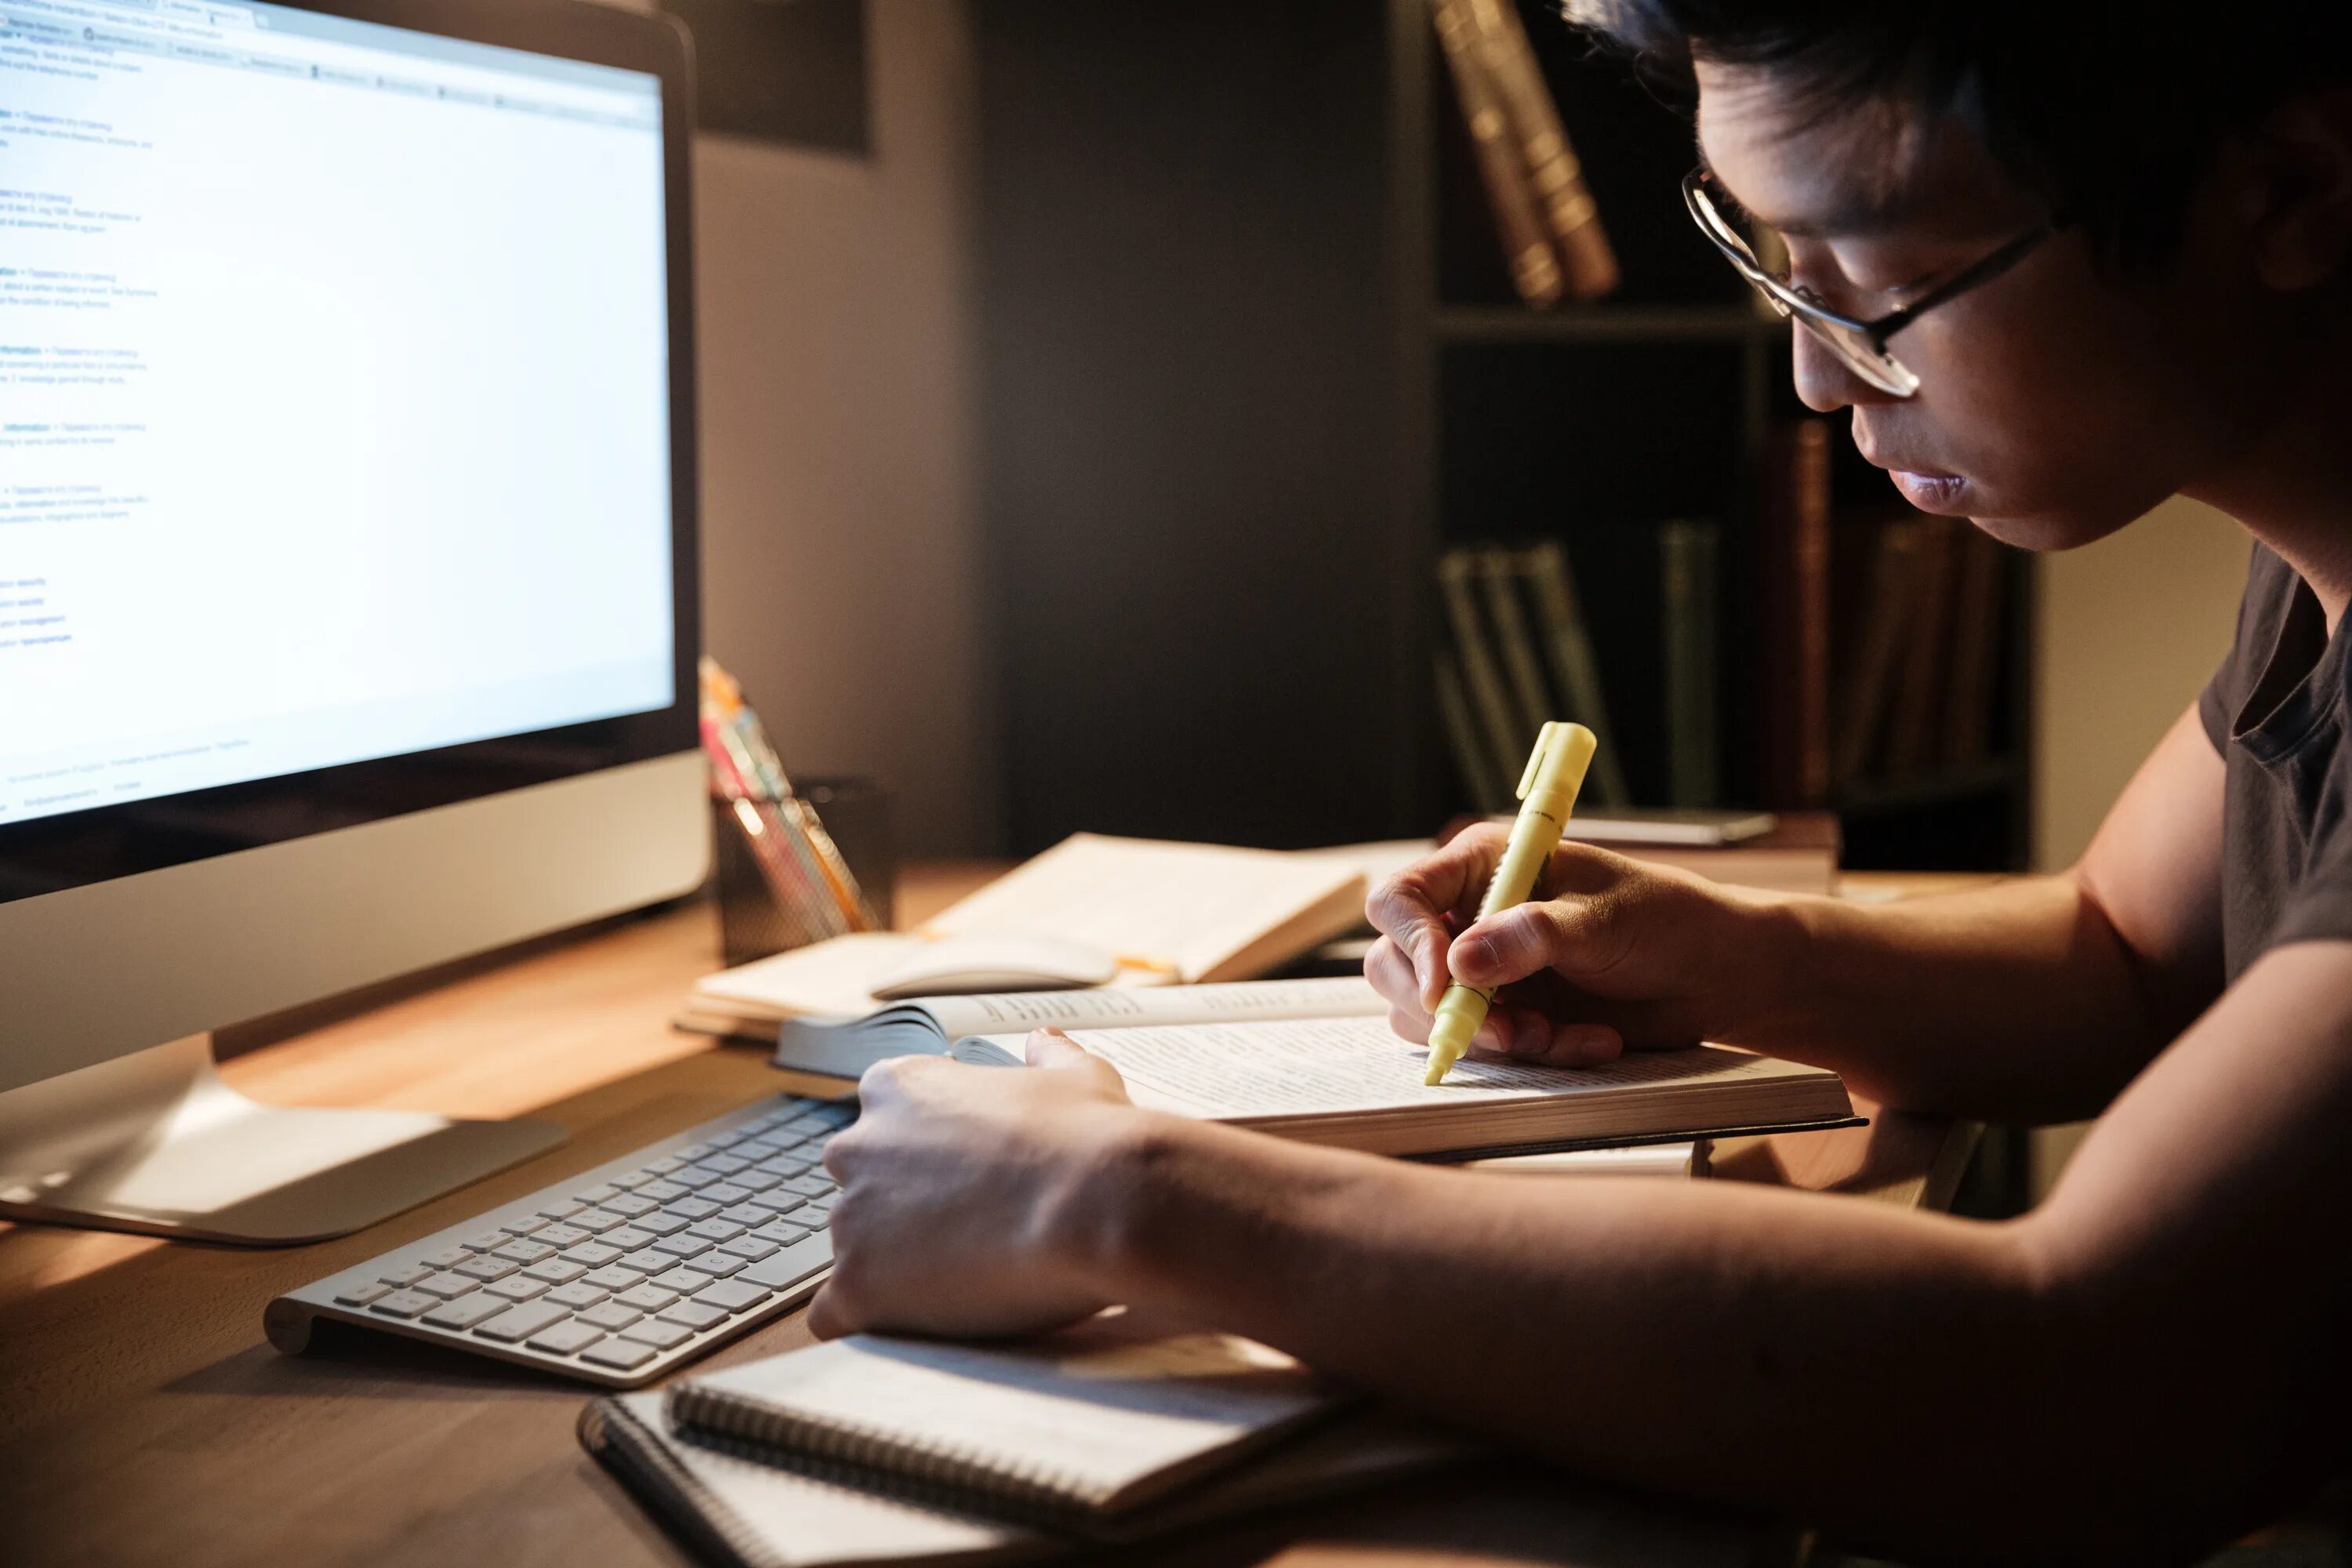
795,1263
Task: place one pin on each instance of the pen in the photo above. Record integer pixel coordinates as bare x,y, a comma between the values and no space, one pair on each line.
1548,791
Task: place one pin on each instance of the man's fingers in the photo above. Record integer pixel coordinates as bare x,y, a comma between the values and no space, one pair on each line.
829,1316
1582,938
1391,974
1410,908
1054,1051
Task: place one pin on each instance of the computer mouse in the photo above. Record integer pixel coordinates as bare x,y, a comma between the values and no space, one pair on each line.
959,966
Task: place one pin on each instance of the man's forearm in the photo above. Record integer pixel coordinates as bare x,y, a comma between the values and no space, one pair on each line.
1642,1331
2014,1003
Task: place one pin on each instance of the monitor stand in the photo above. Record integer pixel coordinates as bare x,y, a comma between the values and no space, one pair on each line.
154,1141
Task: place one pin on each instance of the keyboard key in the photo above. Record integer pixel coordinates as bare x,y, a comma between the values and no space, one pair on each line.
620,1356
645,1260
745,1215
659,1223
693,1178
611,1315
823,1202
596,1195
726,1139
519,1252
778,1202
750,1249
598,1221
723,1192
485,1241
662,1192
811,1121
562,1208
399,1279
760,1148
361,1295
684,1245
634,1180
465,1312
404,1304
811,1185
754,1181
560,1235
564,1339
725,1164
813,1218
516,1287
733,1295
628,1238
576,1295
718,1265
784,1232
716,1228
694,1315
793,1264
647,1298
686,1153
685,1282
521,1323
556,1271
611,1279
664,1166
485,1268
785,1165
592,1254
524,1225
690,1209
443,1287
629,1205
447,1257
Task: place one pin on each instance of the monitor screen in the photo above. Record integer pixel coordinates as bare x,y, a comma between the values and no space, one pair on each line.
336,426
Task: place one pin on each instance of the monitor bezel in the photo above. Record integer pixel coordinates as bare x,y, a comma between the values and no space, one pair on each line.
44,855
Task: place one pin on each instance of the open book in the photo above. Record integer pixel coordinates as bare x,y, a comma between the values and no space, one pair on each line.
930,1025
1352,1083
875,1449
1150,913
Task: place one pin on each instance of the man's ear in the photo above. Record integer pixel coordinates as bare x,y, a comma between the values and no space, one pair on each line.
2300,196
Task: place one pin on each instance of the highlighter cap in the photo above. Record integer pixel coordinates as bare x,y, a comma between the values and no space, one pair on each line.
1556,768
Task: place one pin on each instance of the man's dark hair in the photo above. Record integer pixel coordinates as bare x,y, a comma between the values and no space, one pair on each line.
2110,111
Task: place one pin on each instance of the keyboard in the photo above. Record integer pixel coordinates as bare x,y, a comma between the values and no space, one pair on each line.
620,1274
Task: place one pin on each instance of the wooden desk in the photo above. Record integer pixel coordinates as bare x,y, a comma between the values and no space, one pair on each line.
142,1419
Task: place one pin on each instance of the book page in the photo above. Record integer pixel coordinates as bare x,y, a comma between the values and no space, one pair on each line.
1189,906
1333,1065
1347,996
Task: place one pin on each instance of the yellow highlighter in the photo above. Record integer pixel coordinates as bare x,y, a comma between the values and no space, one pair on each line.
1548,793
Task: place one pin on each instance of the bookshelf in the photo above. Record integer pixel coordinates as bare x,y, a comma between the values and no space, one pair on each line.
1251,361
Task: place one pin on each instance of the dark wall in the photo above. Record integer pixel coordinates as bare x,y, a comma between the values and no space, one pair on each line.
1199,502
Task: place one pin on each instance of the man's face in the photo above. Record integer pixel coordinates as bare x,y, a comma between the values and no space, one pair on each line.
2054,405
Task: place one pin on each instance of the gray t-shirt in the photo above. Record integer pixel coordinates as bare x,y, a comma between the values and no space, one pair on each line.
2275,711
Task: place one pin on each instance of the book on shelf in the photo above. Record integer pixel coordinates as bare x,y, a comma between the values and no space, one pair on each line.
875,1449
1543,210
1505,736
1150,913
1471,757
1880,621
1793,688
1689,585
1921,667
1569,644
1498,573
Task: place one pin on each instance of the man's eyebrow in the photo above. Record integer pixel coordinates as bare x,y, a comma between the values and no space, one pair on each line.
1854,212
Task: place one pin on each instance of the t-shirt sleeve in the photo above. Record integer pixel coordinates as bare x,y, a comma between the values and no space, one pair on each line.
2224,696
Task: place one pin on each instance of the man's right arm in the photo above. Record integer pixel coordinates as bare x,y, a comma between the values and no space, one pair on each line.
2035,999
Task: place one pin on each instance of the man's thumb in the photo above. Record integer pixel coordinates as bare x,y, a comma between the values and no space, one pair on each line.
1052,1048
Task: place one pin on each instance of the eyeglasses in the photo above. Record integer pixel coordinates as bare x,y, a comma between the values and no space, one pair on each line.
1860,345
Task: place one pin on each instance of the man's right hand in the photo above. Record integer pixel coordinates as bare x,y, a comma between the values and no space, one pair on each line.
1609,952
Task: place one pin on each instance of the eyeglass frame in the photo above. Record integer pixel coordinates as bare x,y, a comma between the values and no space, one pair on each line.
1797,301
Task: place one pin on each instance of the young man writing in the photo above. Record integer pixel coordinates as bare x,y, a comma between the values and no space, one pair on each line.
2061,262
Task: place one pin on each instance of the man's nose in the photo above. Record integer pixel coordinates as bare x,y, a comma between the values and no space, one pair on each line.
1825,384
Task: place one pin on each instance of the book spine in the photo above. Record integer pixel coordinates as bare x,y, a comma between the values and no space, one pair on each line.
1470,758
1688,573
1795,614
1509,745
1878,647
857,1446
1535,265
1574,667
1911,740
1499,574
1589,264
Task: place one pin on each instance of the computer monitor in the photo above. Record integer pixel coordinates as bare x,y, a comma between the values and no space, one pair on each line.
347,611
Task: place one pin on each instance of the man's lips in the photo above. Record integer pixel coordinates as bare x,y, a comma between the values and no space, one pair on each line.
1929,489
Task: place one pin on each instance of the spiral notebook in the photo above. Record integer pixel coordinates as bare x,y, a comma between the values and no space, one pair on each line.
878,1449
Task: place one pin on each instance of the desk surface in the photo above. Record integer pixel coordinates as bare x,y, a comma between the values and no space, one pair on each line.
142,1419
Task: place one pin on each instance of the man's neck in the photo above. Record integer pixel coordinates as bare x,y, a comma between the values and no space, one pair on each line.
2292,490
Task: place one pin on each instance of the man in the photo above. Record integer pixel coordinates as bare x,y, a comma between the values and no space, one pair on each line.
2061,262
